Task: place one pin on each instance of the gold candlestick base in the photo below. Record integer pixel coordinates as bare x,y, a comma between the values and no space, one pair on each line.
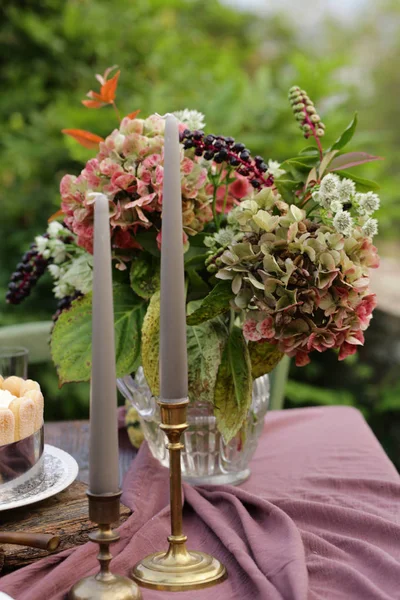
104,510
178,569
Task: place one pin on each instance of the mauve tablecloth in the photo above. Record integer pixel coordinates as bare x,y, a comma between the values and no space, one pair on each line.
319,518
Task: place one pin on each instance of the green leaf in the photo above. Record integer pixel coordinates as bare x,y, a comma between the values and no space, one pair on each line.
147,239
205,344
309,150
197,283
151,344
233,388
216,303
346,135
326,161
264,357
286,188
144,276
71,340
302,162
195,256
362,185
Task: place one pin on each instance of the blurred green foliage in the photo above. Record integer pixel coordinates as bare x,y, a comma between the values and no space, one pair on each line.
235,67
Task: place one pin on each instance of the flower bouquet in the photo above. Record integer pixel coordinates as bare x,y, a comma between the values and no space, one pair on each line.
277,256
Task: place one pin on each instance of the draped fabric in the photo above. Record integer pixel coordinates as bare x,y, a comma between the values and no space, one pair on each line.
319,519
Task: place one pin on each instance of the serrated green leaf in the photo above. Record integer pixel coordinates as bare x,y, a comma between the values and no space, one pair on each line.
264,357
144,276
346,136
71,340
362,185
151,344
205,343
233,388
216,303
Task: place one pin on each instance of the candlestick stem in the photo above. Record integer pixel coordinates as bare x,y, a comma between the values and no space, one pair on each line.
104,510
177,569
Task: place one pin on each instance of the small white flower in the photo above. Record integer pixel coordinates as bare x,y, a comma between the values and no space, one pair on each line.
329,184
54,229
325,200
41,243
367,203
46,253
192,118
343,223
370,228
54,271
62,289
336,206
346,189
57,250
274,170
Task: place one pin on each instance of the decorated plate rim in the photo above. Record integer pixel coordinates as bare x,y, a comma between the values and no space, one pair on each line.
70,471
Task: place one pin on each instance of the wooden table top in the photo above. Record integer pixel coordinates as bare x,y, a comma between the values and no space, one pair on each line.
73,437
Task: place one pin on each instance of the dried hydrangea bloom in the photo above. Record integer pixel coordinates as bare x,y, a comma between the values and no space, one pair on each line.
304,286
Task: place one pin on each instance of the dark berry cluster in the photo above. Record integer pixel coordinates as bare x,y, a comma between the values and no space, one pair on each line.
304,111
65,303
26,274
222,149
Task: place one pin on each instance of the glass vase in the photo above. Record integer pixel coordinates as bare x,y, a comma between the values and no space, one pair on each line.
206,457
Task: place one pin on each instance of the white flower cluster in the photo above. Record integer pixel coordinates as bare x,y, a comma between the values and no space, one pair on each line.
192,118
71,266
53,246
220,238
334,192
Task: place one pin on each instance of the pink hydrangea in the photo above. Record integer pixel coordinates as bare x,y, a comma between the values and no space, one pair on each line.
129,169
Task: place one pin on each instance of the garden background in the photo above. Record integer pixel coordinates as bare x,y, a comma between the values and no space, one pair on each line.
236,67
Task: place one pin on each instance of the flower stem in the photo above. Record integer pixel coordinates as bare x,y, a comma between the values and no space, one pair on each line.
116,111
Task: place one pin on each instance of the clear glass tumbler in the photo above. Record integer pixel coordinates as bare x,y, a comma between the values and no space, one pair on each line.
14,361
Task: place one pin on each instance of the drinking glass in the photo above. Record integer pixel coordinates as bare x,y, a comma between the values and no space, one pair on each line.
14,361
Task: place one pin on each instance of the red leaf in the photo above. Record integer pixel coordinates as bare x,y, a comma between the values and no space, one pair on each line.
55,216
108,90
92,103
84,138
351,159
133,114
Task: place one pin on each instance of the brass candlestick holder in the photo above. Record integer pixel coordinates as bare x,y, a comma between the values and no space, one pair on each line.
177,569
104,510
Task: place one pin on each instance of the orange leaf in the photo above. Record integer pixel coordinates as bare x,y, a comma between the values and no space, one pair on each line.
109,88
133,114
92,103
57,214
85,138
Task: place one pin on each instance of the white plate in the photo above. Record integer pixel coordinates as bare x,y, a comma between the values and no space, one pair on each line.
58,472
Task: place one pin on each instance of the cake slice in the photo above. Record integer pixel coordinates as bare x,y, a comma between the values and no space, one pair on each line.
37,396
24,410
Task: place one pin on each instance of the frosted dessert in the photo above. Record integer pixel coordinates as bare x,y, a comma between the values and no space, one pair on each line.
21,409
